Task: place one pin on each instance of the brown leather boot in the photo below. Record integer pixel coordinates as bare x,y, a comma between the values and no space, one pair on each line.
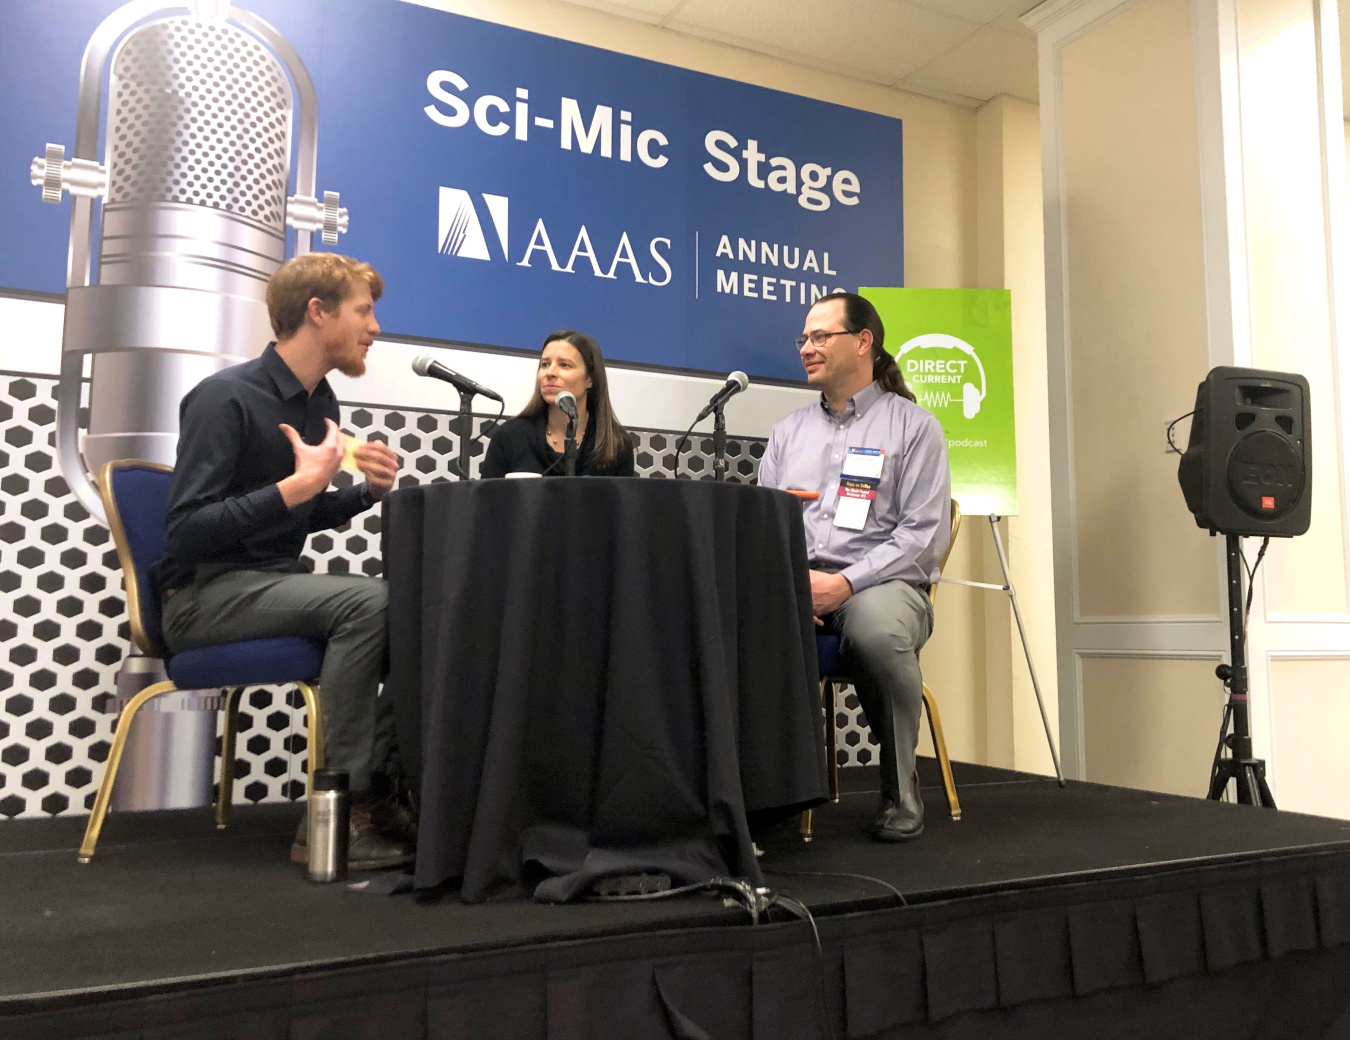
367,848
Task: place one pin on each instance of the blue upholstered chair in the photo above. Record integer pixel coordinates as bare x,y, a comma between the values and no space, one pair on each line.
834,674
136,496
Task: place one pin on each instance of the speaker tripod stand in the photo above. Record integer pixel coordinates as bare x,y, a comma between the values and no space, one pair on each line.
1233,758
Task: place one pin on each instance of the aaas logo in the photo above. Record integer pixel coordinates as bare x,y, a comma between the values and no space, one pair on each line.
460,233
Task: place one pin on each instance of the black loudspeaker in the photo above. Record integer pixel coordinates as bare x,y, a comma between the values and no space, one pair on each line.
1247,469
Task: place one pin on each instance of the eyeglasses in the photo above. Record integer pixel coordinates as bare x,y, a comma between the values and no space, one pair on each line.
818,338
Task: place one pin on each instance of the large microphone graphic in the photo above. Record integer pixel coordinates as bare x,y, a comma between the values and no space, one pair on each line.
193,222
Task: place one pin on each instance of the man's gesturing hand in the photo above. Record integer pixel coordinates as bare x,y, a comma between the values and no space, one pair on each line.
315,465
828,593
380,464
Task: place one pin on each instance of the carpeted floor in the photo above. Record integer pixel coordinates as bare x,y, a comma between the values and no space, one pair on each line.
169,898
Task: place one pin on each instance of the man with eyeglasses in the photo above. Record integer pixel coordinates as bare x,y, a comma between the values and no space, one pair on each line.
877,531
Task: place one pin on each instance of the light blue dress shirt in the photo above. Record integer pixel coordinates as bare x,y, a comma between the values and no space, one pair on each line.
909,523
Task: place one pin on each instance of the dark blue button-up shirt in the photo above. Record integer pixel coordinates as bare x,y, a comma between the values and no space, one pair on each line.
225,511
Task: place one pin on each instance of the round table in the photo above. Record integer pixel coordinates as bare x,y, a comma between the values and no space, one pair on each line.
599,675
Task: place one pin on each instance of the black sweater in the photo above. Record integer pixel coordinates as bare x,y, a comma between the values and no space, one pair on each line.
520,445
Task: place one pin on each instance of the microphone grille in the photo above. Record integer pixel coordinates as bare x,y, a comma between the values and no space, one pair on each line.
740,379
422,365
199,114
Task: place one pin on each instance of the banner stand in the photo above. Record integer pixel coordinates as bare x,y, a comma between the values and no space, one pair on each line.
1007,587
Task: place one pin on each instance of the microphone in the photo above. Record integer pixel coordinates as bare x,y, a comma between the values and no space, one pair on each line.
428,366
736,382
568,403
194,216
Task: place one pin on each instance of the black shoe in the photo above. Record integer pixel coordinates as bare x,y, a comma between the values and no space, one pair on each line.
367,848
394,818
901,815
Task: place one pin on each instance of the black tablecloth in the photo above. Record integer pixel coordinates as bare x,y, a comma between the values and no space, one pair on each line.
599,675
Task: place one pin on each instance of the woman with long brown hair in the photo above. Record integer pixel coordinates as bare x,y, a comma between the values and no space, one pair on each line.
533,441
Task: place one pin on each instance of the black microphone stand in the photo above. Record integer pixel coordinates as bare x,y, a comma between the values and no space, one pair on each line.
570,448
461,466
719,444
1238,764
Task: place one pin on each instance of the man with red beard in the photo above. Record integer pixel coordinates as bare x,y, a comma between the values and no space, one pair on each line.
258,447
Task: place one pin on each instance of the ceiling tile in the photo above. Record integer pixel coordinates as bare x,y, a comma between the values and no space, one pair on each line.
878,40
650,11
989,63
982,11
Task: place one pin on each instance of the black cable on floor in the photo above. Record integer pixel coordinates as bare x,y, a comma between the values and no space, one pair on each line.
755,901
841,874
799,909
740,891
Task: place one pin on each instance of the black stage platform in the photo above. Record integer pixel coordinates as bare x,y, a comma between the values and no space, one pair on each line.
1089,911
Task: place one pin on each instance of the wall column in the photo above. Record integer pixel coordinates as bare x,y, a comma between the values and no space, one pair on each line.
1011,249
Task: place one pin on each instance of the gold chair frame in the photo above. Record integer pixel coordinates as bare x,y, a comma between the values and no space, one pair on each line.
830,684
149,647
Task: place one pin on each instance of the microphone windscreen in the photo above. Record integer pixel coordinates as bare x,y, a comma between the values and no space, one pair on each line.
422,365
567,402
740,379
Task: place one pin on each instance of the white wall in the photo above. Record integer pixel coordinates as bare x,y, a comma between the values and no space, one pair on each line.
1195,195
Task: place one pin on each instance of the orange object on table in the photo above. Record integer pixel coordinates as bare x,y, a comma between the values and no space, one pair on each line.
805,496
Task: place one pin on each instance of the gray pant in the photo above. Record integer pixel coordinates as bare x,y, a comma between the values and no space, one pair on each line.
346,612
881,631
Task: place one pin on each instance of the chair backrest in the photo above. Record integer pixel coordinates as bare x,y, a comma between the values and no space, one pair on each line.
136,498
942,564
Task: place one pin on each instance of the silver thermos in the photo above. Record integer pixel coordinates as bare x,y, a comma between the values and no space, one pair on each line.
330,808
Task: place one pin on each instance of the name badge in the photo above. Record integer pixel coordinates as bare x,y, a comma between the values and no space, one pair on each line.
864,462
858,481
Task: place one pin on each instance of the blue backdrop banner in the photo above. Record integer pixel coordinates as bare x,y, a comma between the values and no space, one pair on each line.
507,184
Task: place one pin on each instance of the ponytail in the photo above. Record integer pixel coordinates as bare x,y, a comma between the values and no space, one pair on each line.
887,373
859,314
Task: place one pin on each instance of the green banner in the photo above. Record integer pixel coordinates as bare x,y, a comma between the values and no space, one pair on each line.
954,347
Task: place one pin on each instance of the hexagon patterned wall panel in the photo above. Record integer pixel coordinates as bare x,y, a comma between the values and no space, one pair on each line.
65,634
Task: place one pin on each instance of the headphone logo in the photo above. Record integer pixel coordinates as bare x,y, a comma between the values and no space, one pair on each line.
971,397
